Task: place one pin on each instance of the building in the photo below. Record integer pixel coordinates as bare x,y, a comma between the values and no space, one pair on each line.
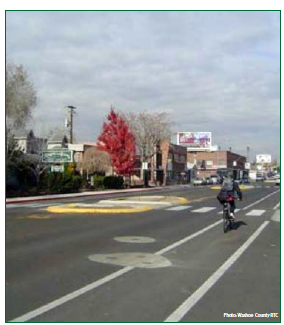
167,166
221,163
29,144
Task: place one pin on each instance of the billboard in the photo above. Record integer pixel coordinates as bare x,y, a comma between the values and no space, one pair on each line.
195,140
263,159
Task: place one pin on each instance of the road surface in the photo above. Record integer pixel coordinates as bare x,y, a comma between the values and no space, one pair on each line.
172,263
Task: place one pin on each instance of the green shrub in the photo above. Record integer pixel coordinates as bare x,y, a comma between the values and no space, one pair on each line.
61,182
98,181
113,182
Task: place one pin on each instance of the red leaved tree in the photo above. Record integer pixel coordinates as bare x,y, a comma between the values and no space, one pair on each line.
119,142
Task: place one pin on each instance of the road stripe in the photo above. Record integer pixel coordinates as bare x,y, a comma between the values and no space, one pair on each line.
255,213
43,309
276,206
264,198
204,210
186,239
186,306
179,208
71,296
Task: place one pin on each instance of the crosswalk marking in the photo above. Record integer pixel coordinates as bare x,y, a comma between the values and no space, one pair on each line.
204,210
236,210
179,208
256,213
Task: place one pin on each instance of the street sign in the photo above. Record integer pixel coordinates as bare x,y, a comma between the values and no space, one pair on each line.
57,156
57,169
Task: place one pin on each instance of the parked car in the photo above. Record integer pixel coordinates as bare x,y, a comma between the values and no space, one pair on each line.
208,181
198,181
277,181
259,178
215,179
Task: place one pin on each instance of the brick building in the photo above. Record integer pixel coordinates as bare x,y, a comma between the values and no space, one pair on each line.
217,162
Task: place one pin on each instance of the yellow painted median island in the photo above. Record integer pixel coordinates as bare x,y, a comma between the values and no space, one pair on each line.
121,205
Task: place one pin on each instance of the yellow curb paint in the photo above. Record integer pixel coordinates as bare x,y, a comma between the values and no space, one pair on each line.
61,209
182,200
241,187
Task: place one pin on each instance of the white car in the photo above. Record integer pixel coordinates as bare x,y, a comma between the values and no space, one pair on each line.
277,182
198,181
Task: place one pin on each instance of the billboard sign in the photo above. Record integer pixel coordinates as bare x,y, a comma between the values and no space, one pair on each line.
263,159
247,165
195,140
57,156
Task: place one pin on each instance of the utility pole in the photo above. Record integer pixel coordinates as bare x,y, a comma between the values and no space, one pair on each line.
71,111
248,148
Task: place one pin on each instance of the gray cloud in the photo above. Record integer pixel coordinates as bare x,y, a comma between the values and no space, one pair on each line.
214,71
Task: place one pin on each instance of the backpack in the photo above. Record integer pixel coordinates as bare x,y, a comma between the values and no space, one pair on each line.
228,185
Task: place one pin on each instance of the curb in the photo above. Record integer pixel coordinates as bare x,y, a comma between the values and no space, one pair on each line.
75,195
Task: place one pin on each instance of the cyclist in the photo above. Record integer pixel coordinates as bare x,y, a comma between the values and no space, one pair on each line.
229,188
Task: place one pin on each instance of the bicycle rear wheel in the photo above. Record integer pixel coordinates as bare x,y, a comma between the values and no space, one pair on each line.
226,221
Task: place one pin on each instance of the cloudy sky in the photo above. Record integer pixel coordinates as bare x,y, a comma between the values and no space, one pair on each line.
212,71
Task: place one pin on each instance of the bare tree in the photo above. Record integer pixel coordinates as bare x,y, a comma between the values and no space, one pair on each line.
20,96
149,129
94,161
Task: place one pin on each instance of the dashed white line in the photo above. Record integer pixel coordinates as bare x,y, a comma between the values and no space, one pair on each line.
186,306
204,210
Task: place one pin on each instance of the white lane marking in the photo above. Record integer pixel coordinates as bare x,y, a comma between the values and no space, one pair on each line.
43,309
255,213
204,210
71,296
179,208
184,240
276,216
185,307
276,206
264,198
236,210
267,186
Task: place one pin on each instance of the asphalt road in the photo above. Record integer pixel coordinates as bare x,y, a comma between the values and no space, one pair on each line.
180,267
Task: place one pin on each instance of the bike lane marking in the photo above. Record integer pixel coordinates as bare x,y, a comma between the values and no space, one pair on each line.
187,305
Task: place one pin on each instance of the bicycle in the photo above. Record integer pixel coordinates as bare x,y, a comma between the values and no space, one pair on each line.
227,220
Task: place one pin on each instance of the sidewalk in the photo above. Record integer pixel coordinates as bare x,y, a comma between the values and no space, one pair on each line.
86,194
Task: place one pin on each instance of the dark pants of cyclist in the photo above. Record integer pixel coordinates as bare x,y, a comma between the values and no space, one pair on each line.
232,206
